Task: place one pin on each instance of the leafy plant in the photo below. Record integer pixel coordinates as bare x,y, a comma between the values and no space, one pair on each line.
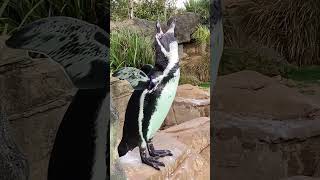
144,9
119,9
202,34
129,48
200,7
154,10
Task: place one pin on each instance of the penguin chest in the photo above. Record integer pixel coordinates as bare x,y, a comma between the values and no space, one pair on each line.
163,104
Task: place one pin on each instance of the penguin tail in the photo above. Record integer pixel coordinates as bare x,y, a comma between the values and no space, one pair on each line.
127,145
123,148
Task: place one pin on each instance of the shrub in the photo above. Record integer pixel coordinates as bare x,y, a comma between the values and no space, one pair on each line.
129,48
202,34
144,9
198,68
291,27
200,7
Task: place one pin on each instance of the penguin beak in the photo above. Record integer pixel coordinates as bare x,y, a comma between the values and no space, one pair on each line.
158,27
172,26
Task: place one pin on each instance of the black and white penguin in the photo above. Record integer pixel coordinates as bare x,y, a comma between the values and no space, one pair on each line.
155,89
80,147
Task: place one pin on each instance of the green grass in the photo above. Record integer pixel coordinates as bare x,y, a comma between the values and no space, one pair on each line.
307,74
202,34
205,85
16,13
130,49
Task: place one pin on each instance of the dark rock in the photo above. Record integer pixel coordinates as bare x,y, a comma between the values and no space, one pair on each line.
36,94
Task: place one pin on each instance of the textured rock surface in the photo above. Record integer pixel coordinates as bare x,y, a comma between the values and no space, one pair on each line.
185,26
251,93
190,102
190,154
121,92
13,164
116,171
35,93
268,149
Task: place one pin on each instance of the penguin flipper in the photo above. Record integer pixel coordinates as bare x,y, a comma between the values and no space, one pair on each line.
79,47
137,78
146,68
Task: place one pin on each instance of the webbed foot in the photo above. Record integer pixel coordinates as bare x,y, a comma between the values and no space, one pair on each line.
158,153
151,161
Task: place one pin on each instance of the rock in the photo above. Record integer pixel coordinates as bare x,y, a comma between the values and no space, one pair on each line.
120,92
194,133
251,93
317,170
116,171
36,93
190,102
8,55
13,164
186,162
185,26
301,178
259,148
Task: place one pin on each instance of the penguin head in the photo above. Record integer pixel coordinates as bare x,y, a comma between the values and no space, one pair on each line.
168,38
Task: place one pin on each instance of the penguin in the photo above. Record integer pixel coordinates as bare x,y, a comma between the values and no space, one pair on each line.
154,92
80,148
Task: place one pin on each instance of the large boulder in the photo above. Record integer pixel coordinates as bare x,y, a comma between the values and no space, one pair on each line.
190,145
251,93
261,148
186,24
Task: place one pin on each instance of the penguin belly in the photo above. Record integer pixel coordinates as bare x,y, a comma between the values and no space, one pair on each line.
163,104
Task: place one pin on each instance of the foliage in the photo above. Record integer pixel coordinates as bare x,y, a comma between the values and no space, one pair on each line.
16,13
119,9
200,7
205,85
308,74
291,27
198,68
144,9
202,34
129,48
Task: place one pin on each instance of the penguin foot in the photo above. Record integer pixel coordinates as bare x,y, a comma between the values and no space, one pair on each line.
158,153
151,161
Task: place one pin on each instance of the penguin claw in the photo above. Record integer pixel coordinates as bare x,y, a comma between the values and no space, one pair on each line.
151,161
160,153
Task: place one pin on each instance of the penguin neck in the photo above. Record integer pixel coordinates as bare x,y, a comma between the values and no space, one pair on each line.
78,149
